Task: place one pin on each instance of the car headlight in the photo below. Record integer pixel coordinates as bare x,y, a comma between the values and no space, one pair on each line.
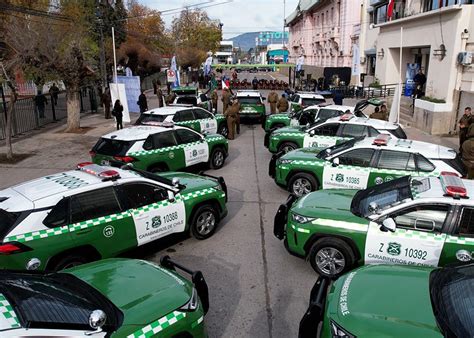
302,219
338,331
285,161
192,304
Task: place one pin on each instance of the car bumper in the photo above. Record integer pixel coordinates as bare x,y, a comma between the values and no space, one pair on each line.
281,218
315,313
251,116
272,164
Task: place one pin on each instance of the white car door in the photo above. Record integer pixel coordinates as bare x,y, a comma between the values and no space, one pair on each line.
323,136
196,149
206,120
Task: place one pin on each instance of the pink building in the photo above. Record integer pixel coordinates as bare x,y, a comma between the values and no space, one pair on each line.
324,31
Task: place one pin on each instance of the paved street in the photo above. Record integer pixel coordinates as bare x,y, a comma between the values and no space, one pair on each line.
256,288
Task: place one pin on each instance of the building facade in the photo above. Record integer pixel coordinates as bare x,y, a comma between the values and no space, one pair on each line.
225,53
324,31
431,35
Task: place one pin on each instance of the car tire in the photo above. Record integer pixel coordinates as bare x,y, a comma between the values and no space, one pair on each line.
204,222
158,168
331,257
287,147
302,183
70,261
217,159
223,130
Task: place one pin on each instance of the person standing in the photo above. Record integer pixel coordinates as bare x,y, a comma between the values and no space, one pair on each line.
338,98
225,99
420,80
272,100
142,102
383,112
231,115
118,113
159,93
255,83
154,86
464,122
282,104
54,91
467,152
107,102
40,102
214,99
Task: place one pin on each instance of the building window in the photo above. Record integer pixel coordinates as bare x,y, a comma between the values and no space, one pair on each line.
381,14
430,5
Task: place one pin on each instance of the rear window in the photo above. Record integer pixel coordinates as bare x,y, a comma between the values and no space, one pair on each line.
398,133
187,100
311,102
249,100
111,147
7,221
151,118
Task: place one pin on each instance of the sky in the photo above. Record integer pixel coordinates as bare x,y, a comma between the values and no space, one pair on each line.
238,16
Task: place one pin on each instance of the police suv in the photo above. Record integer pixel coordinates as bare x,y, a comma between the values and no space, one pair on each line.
195,118
252,107
426,221
361,163
160,148
93,212
109,298
192,95
301,100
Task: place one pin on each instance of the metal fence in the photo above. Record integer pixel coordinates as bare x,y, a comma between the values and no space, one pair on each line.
362,91
27,116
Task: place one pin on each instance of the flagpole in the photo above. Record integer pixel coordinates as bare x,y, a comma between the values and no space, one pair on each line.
115,55
400,75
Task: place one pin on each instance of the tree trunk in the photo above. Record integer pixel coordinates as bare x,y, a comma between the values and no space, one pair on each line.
73,110
9,119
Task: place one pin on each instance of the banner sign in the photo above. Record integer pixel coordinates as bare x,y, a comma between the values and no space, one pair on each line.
117,92
412,70
132,90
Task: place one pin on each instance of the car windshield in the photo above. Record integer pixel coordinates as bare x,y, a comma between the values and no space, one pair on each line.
151,118
7,220
312,101
111,147
335,149
187,100
248,100
54,301
452,298
387,194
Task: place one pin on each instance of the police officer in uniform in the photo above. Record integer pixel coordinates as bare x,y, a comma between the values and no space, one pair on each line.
231,114
214,98
282,104
464,123
272,100
225,99
468,152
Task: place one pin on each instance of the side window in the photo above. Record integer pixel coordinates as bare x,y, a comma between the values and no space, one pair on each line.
296,98
373,132
183,116
187,136
354,130
358,157
325,113
424,164
422,217
329,129
202,114
163,140
58,216
396,160
94,204
138,195
466,225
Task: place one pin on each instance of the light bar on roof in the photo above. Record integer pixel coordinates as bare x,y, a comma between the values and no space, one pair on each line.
166,124
346,117
452,185
381,140
98,171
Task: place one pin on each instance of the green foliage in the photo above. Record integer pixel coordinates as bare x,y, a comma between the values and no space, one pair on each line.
375,84
432,99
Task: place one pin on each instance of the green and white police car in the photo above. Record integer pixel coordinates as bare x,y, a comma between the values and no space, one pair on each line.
300,100
195,118
191,95
328,133
361,163
393,301
92,300
425,221
161,148
95,212
252,107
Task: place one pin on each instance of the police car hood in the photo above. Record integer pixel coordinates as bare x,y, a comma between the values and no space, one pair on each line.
142,290
191,181
380,299
303,154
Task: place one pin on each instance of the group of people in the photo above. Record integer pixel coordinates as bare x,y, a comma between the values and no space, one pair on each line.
380,113
276,102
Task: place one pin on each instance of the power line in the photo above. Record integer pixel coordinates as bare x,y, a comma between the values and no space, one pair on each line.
34,12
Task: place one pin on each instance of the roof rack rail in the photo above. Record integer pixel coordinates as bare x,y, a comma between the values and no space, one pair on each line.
153,177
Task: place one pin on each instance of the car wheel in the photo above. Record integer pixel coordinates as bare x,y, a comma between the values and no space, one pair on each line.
217,158
287,147
70,261
204,222
223,130
301,184
158,168
331,257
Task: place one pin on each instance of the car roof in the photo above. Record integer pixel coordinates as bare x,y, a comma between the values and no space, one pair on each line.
310,95
250,93
429,150
168,110
333,106
377,124
138,132
436,190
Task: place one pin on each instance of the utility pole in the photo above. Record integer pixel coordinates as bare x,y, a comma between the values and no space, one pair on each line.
103,71
284,21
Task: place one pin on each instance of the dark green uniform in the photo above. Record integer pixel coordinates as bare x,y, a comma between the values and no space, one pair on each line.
272,100
467,151
232,114
282,105
464,123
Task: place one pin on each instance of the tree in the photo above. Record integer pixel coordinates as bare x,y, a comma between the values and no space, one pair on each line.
47,48
194,35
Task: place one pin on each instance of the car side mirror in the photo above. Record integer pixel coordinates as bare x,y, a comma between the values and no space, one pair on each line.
175,181
311,132
97,320
203,97
171,197
335,161
388,225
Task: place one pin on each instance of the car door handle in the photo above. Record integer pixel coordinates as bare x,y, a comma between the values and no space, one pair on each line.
84,231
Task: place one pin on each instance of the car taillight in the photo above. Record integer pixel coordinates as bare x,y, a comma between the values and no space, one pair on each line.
125,159
9,248
92,153
83,164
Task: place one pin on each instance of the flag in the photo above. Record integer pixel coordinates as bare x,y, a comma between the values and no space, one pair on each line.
391,4
207,66
175,69
224,84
